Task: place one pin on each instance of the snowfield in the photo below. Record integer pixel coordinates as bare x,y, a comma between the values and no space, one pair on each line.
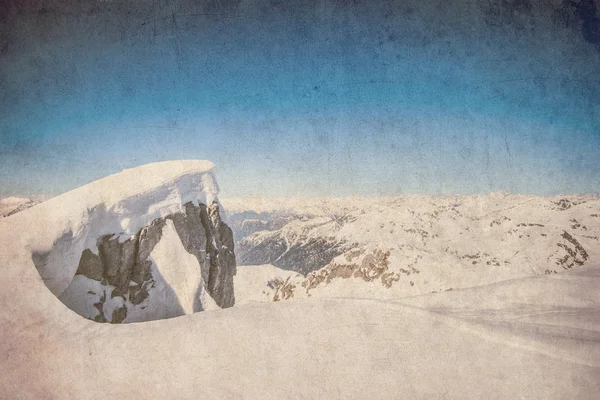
535,337
394,247
259,283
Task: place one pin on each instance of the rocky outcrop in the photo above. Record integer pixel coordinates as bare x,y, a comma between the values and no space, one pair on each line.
372,266
220,256
127,267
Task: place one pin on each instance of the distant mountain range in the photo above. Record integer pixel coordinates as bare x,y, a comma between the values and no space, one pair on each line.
409,245
12,205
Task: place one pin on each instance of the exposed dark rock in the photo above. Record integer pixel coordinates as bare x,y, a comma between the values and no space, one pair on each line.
119,315
574,253
283,289
126,265
565,204
261,252
90,265
221,257
310,255
302,256
118,260
373,266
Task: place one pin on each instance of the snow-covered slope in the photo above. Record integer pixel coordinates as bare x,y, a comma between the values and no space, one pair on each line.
318,348
13,205
403,246
263,284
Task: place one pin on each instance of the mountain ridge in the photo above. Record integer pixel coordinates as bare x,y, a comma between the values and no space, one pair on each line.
431,244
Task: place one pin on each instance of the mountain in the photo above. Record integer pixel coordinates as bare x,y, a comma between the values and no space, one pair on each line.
13,205
404,246
535,337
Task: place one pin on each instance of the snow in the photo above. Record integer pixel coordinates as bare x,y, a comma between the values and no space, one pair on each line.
553,309
93,290
535,338
181,270
122,203
453,242
13,201
179,281
339,348
251,283
177,287
9,205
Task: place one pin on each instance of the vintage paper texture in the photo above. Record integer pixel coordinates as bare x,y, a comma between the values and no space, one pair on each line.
400,203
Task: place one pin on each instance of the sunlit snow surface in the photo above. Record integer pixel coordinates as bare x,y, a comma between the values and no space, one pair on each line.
123,202
433,243
527,338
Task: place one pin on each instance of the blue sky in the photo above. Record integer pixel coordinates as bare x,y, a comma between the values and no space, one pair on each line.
304,99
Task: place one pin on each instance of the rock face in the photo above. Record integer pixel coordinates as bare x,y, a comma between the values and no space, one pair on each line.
134,280
221,256
287,240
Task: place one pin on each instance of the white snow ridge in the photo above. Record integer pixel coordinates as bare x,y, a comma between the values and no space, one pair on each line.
148,244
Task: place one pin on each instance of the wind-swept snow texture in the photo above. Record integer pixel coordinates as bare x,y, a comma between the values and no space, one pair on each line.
534,338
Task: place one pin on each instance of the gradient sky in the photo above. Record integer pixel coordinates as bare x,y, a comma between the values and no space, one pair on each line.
304,98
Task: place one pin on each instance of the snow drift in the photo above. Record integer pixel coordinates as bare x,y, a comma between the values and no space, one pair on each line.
144,244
